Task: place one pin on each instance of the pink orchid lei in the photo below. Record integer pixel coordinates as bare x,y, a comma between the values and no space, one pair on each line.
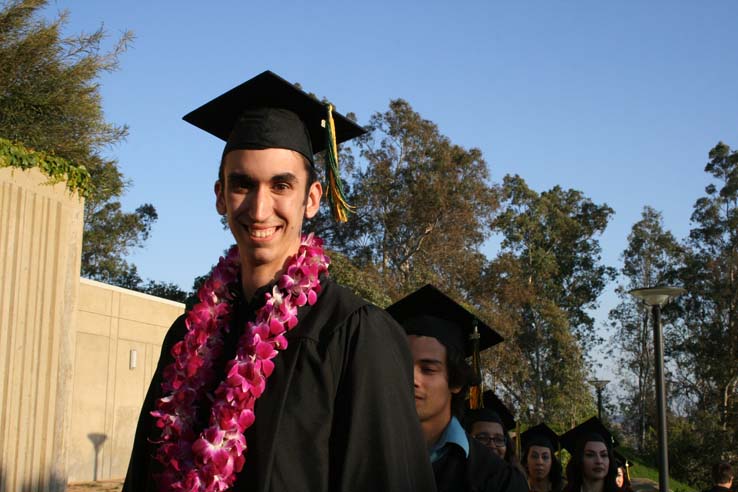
210,461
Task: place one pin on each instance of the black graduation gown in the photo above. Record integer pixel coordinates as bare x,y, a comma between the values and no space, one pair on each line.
482,471
338,412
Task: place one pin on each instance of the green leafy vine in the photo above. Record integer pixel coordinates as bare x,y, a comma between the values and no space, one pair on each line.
77,178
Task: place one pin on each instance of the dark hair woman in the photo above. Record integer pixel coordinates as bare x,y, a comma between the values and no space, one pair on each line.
622,476
539,460
592,465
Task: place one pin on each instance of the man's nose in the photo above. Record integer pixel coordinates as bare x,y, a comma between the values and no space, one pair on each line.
260,203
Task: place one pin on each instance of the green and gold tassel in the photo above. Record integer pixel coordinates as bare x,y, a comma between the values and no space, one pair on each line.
476,400
334,187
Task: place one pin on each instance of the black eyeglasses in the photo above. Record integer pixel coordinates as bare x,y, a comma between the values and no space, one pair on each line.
486,439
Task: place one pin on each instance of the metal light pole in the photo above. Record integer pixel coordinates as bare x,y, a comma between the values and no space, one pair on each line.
599,385
732,384
655,297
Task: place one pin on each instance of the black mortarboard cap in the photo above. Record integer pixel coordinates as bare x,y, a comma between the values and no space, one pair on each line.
494,410
540,435
431,313
588,430
269,112
622,460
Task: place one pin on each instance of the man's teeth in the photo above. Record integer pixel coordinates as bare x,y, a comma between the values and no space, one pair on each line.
262,233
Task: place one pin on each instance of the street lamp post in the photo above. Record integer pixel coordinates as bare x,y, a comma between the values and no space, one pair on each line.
599,385
655,297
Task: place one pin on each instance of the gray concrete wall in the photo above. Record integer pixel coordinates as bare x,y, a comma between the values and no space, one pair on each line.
41,244
113,327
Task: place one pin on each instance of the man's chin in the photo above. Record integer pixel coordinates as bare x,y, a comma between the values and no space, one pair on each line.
264,255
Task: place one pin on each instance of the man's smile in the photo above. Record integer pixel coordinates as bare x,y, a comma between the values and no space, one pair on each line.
260,232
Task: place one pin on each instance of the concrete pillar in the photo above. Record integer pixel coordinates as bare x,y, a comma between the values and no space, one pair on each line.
40,248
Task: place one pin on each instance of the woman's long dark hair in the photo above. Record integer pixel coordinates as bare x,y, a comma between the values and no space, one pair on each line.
555,474
627,486
574,475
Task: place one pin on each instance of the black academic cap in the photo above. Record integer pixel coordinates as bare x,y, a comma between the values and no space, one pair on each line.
622,460
267,111
540,435
431,313
494,410
588,430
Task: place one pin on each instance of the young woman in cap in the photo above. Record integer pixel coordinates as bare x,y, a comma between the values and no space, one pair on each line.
592,465
541,466
622,477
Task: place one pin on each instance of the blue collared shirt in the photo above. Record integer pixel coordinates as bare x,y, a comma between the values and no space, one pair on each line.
452,434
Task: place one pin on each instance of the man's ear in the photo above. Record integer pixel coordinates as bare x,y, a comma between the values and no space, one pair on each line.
455,390
219,198
312,202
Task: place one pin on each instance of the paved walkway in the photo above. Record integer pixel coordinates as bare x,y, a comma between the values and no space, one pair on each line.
102,486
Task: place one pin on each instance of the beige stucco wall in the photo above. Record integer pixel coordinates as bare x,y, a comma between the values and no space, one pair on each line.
107,392
40,248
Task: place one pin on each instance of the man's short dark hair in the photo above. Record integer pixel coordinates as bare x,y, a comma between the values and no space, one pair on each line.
460,375
722,472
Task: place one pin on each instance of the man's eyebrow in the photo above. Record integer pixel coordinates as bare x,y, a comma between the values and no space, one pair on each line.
284,178
243,177
240,176
431,361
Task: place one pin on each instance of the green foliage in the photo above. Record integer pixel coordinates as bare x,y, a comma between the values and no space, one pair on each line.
76,178
705,342
422,205
546,278
700,327
363,281
110,234
651,258
50,102
703,339
646,470
50,99
698,442
165,290
554,235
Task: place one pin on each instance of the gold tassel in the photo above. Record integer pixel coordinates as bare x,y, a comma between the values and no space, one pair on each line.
476,400
336,198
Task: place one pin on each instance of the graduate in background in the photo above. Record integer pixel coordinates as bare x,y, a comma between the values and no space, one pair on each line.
491,425
622,479
592,465
540,445
441,333
722,477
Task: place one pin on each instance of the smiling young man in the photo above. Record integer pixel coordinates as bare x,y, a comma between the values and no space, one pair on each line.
439,332
280,379
265,195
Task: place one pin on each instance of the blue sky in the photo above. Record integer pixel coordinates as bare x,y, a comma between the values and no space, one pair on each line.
620,99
